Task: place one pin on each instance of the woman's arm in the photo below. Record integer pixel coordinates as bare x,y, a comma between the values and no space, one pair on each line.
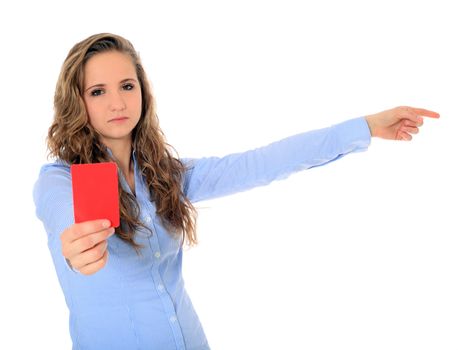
212,177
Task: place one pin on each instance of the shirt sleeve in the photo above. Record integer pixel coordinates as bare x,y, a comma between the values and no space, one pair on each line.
212,177
52,194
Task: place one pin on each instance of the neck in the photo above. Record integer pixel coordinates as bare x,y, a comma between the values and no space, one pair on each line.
122,153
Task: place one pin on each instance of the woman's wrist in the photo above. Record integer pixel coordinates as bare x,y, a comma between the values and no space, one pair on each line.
371,123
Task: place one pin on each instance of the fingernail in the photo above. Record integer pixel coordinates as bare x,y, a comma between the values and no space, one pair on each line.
106,223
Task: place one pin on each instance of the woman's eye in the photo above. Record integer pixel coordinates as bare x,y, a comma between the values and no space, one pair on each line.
97,92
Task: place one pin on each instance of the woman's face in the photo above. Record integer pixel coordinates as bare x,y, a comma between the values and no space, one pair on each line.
112,95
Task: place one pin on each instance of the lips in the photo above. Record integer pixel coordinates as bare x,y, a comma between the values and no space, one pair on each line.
117,119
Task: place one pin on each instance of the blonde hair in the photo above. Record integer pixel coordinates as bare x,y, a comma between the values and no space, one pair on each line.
73,139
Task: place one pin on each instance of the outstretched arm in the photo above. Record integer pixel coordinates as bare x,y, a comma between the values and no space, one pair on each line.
213,177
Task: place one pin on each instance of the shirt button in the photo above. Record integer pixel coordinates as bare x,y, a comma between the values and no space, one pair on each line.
148,219
160,287
157,255
173,319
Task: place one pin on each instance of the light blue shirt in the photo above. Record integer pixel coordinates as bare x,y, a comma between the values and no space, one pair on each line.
140,302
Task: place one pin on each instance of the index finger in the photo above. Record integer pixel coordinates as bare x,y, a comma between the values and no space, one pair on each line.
87,227
426,113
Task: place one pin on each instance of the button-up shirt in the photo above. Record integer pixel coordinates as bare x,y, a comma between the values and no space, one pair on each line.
140,302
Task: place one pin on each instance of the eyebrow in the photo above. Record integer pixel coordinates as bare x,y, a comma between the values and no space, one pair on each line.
101,85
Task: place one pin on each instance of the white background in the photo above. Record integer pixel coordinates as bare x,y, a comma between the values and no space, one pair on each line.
359,254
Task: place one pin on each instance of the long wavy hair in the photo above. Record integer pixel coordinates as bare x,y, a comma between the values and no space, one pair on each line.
71,138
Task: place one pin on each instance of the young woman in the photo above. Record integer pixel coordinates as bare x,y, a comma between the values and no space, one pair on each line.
124,287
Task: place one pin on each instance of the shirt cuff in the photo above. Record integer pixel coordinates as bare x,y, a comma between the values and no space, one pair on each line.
70,267
354,134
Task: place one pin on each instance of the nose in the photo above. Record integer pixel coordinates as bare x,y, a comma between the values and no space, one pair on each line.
117,102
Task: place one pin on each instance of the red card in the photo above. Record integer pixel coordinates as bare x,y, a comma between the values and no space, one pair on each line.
95,192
